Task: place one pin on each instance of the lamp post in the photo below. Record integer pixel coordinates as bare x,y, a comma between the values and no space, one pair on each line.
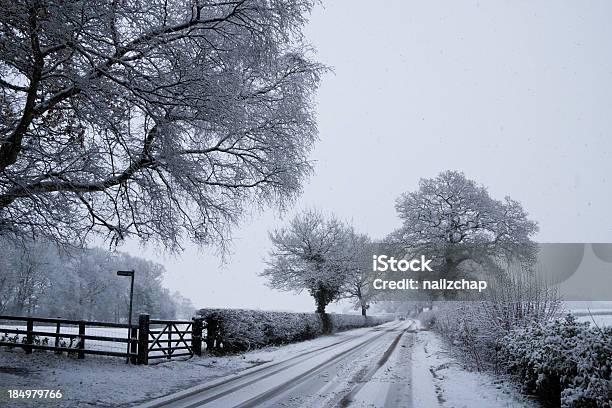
131,275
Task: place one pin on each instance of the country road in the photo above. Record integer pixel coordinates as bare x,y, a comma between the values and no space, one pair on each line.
396,364
371,369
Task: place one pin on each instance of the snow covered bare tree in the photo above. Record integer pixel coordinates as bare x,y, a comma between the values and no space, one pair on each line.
160,119
360,275
310,254
458,221
452,215
452,209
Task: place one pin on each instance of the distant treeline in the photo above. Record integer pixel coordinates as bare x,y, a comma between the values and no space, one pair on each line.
40,279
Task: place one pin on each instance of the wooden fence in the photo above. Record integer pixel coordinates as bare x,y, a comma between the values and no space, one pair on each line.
151,339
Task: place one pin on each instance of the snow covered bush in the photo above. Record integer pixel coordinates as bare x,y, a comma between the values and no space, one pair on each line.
241,330
565,362
340,322
467,327
517,299
235,330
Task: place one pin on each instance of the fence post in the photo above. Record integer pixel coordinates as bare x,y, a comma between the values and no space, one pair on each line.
57,338
29,336
143,339
196,336
81,354
211,333
133,344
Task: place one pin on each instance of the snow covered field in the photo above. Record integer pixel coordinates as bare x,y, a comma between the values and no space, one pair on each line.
599,320
391,365
89,344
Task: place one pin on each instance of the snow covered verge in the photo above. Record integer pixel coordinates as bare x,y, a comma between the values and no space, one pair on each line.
560,360
440,380
238,330
109,382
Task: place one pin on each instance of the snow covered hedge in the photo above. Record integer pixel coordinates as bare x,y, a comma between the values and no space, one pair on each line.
341,322
234,330
566,362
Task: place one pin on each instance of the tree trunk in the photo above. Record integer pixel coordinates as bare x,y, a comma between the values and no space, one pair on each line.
364,308
327,323
320,302
321,298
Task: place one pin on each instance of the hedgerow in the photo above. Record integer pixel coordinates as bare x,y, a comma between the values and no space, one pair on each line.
236,330
565,362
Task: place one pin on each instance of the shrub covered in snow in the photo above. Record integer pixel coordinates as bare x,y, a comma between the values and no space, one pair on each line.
340,322
476,327
565,362
240,330
467,326
232,330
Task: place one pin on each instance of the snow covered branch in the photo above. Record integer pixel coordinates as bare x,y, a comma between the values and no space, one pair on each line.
159,119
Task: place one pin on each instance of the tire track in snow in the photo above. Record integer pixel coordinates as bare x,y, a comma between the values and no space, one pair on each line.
253,402
189,396
362,379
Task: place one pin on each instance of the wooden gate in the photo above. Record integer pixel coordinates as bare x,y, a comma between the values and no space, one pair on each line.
168,338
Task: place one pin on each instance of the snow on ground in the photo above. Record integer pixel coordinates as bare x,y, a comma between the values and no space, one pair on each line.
391,385
599,320
438,380
106,381
599,313
409,369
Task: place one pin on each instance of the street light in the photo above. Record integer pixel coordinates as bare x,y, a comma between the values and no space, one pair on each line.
131,275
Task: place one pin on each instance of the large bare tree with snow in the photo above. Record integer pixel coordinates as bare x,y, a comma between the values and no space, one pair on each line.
459,221
160,119
311,254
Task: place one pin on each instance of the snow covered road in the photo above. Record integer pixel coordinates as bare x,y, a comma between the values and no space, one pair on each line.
392,365
353,371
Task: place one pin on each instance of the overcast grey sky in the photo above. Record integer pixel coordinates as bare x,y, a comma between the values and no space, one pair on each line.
517,94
